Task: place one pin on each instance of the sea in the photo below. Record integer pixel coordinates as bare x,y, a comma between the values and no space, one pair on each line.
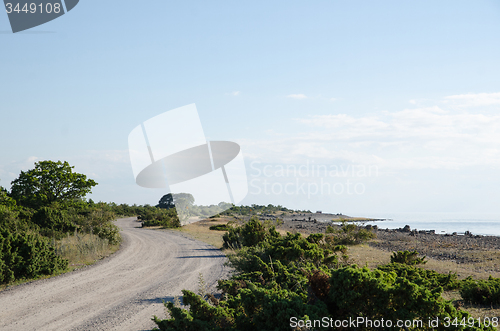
476,223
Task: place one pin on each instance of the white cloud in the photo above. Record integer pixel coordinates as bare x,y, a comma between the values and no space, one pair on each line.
100,164
422,138
474,100
235,93
12,170
297,96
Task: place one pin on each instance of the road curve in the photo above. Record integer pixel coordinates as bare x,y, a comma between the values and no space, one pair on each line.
121,292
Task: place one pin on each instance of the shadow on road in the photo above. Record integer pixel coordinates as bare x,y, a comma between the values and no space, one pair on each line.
206,249
160,300
199,256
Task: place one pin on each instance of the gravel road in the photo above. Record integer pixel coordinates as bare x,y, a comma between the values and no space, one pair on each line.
122,292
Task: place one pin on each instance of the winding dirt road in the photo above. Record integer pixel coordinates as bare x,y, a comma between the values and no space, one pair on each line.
122,292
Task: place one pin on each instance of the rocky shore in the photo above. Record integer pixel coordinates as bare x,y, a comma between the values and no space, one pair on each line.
467,248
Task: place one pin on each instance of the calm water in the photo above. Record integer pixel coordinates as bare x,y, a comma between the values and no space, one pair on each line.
484,224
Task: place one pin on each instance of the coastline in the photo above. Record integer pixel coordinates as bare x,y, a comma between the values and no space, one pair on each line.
479,252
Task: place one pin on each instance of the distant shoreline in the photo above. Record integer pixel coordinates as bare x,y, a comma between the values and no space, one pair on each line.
460,248
332,219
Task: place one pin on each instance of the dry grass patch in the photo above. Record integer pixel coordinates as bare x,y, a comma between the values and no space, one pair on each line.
83,249
372,257
364,255
200,231
476,311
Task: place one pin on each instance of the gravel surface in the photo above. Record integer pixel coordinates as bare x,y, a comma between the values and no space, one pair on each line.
122,292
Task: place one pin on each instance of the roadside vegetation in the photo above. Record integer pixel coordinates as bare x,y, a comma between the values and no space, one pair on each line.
48,227
280,276
254,210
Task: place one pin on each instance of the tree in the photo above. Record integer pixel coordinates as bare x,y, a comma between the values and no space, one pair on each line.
49,182
5,200
166,201
171,200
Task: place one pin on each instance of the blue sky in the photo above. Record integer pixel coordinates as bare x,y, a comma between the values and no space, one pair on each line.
408,88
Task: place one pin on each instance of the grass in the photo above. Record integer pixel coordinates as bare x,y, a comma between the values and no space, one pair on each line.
200,231
372,257
83,249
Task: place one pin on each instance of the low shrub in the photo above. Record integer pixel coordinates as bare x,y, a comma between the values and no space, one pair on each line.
166,218
251,233
378,294
220,227
53,221
484,292
407,257
429,278
27,255
348,234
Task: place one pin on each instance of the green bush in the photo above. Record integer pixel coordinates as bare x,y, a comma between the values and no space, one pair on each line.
5,200
485,292
166,218
97,219
27,232
254,308
220,227
407,257
232,238
428,278
378,294
348,234
27,255
53,221
251,233
9,219
256,209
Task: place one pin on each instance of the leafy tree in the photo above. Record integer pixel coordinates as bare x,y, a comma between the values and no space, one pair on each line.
166,201
182,202
171,200
49,182
5,200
